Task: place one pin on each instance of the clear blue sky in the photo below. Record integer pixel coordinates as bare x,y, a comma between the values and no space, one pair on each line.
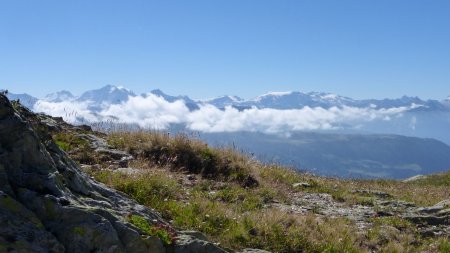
362,49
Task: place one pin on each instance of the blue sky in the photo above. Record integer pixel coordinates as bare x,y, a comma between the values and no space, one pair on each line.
361,49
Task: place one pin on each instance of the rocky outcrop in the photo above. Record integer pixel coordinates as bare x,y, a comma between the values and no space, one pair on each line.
48,205
108,154
430,221
433,220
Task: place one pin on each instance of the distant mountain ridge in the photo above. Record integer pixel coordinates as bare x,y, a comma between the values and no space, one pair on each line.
350,147
111,94
416,117
59,96
223,101
191,104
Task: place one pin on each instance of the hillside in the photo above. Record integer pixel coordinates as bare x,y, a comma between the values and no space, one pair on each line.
234,200
343,155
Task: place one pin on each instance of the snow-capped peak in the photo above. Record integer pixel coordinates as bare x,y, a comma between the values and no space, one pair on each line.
113,88
278,93
108,94
191,104
223,101
272,95
223,98
59,96
329,96
232,98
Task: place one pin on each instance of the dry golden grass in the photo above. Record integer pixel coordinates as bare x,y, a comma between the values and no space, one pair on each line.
422,192
185,154
220,204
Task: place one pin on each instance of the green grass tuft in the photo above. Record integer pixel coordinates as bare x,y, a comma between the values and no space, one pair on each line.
165,234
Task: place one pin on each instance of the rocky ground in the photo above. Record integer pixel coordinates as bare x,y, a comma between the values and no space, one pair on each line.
430,221
48,205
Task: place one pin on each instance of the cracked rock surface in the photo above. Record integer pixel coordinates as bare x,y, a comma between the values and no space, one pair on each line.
48,205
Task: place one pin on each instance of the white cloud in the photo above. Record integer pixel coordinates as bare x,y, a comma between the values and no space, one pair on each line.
156,113
149,112
73,112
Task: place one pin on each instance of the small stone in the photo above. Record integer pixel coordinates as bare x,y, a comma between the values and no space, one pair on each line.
384,214
113,167
302,184
124,161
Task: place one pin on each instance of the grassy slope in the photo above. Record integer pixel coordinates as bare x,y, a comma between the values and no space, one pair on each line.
227,197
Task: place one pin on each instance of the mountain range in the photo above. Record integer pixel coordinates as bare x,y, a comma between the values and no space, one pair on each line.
406,115
275,100
317,131
295,100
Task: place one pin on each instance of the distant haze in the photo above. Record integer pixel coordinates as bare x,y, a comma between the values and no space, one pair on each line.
275,113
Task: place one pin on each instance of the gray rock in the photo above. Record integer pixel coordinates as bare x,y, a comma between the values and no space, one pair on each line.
190,244
414,178
444,212
196,234
128,171
443,204
48,205
100,146
439,214
20,229
430,210
254,251
303,184
428,219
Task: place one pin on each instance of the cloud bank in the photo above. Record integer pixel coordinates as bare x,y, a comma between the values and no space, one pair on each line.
153,112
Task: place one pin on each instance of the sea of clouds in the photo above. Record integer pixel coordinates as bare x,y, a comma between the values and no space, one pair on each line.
153,112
